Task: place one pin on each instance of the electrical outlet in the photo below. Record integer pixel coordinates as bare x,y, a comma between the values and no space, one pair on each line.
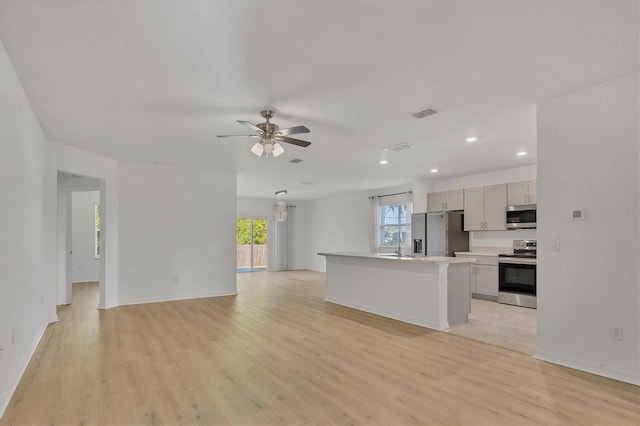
615,333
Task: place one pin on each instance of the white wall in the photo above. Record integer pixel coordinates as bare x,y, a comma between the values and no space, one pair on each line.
421,187
514,174
340,223
85,266
27,303
588,158
177,233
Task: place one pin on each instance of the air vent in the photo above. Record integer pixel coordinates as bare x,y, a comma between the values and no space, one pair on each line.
400,147
425,113
295,161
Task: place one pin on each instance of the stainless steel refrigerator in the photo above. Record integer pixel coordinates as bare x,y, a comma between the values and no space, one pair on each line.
438,234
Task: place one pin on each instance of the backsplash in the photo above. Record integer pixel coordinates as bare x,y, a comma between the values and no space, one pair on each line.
499,238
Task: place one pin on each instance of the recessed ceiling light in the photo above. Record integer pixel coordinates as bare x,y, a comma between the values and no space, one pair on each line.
281,193
434,170
471,139
522,153
383,161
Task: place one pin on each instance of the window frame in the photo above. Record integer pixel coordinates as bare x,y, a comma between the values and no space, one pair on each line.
97,222
404,226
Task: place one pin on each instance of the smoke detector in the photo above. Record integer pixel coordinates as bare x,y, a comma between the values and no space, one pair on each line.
422,114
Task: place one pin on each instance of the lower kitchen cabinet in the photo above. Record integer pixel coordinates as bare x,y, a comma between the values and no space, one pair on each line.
483,276
486,279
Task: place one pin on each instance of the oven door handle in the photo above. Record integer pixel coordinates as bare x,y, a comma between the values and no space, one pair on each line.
517,260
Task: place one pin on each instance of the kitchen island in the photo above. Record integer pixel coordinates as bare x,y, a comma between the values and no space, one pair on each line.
432,292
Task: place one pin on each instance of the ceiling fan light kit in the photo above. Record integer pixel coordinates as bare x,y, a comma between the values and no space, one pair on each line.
270,135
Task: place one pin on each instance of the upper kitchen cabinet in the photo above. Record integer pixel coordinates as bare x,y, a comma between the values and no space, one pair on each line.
484,208
519,193
445,201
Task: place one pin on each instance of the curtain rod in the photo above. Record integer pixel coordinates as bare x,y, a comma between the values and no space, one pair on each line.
389,195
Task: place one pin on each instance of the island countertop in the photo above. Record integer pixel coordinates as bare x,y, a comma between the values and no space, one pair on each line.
430,291
395,257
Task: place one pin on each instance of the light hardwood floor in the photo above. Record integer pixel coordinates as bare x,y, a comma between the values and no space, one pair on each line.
278,354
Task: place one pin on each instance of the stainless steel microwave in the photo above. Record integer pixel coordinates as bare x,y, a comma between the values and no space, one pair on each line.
521,217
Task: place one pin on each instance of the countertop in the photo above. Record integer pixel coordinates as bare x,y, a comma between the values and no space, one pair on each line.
485,251
393,257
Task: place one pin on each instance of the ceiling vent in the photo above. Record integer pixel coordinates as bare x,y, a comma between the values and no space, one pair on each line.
399,147
422,114
296,161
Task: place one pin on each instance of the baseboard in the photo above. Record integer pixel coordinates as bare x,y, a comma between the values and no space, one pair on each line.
484,297
14,381
174,299
107,306
386,314
622,376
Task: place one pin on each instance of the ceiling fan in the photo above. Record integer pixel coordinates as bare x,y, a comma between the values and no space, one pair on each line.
270,135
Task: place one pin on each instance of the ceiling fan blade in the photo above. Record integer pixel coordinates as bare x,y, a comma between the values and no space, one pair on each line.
251,126
292,141
293,130
238,136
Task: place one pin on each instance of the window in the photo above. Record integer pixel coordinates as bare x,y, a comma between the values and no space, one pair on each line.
393,225
96,234
251,241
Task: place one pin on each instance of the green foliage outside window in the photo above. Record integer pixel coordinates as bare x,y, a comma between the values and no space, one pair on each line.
243,231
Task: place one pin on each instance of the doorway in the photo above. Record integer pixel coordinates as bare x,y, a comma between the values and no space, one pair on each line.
80,257
251,245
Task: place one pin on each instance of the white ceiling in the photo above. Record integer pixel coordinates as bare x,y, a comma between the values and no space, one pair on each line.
155,81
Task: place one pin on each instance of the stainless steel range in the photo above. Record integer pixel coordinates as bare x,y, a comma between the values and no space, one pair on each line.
517,275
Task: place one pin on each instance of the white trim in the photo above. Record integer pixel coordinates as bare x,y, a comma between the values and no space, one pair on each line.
174,299
13,382
623,376
96,231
